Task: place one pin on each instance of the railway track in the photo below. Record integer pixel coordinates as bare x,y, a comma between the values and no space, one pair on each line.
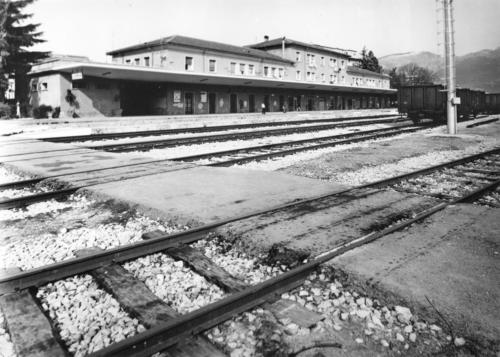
224,158
215,128
166,330
254,134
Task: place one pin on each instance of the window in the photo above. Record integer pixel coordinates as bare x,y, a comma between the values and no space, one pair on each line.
298,56
274,72
34,87
298,76
312,60
211,66
313,76
127,61
322,77
281,73
137,61
343,79
308,59
146,61
308,76
251,69
266,71
163,60
334,78
331,78
322,60
331,62
189,64
342,64
233,67
242,68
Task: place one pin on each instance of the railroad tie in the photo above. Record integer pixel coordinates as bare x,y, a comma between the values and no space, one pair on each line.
137,299
206,267
30,330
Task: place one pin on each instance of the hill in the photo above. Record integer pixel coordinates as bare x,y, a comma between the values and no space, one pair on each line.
477,70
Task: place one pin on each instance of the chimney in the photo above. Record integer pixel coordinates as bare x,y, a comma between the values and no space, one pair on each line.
283,47
266,38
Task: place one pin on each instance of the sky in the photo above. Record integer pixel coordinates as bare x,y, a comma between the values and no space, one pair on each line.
93,27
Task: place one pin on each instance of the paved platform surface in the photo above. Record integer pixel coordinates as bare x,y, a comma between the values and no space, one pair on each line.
173,191
452,259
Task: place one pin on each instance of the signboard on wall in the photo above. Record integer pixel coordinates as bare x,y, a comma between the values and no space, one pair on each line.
203,96
177,96
75,76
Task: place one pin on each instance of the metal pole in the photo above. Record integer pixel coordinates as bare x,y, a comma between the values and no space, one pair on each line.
450,66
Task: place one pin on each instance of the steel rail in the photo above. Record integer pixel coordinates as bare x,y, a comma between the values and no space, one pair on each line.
265,156
288,143
191,140
168,334
56,271
201,129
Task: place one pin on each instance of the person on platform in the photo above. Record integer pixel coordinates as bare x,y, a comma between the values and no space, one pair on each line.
263,108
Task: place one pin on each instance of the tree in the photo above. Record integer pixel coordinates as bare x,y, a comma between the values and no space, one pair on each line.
18,35
369,61
411,74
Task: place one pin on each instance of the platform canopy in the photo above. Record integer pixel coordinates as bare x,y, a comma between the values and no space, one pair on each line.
151,74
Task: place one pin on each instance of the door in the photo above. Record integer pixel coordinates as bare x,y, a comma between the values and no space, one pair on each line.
211,103
233,103
188,103
266,103
322,103
251,103
282,102
310,103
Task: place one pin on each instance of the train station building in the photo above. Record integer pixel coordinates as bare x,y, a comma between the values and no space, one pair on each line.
182,75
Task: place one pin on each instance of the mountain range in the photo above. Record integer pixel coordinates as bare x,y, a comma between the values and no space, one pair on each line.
476,70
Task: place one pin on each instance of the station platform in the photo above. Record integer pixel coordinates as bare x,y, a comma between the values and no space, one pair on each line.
180,192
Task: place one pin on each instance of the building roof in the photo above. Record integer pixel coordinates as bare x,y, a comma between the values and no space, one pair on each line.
114,71
277,42
365,72
203,45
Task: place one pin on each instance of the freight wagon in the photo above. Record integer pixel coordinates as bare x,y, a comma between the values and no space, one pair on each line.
492,102
429,101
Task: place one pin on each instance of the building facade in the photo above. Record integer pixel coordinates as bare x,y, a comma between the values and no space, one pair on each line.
182,75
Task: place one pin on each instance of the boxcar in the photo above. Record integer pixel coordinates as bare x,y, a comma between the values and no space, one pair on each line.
422,101
492,103
429,101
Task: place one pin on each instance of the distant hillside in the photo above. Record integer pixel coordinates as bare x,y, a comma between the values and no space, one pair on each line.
479,70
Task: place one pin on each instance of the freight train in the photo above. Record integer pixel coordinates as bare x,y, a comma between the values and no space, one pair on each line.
429,101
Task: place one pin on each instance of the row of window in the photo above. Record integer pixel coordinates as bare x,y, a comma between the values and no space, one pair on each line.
368,82
311,60
145,61
242,69
311,76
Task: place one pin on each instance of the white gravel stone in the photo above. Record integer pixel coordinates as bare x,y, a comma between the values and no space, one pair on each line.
403,313
50,248
413,337
177,285
459,341
87,317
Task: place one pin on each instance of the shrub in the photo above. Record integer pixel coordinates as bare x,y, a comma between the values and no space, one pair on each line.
56,112
5,111
42,111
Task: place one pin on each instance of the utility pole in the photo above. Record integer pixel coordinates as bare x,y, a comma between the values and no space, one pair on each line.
449,46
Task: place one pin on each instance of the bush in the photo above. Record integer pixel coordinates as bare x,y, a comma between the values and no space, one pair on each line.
42,111
5,111
56,112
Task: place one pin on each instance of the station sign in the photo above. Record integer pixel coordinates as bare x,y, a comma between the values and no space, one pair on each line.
76,76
